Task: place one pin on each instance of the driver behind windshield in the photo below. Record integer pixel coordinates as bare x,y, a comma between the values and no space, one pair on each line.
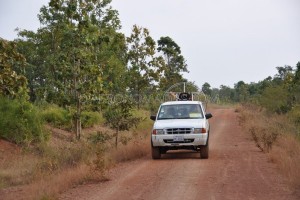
169,112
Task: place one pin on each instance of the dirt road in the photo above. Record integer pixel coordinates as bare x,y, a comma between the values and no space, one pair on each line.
236,169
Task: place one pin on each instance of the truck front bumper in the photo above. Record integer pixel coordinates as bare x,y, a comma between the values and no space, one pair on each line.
179,140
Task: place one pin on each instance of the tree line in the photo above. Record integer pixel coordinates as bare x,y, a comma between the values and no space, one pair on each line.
79,54
279,94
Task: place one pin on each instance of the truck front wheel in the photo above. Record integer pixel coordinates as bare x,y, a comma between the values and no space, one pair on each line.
155,152
204,151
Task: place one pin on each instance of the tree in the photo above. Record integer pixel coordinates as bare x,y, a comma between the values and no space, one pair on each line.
206,89
11,84
144,67
297,74
275,99
283,72
119,116
296,85
175,62
226,94
73,57
241,91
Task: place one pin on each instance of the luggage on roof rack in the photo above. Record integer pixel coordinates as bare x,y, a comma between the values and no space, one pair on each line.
184,91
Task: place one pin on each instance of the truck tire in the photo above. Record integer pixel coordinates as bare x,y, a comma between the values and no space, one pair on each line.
155,152
204,151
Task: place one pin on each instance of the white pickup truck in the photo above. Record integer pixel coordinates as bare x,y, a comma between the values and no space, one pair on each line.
180,125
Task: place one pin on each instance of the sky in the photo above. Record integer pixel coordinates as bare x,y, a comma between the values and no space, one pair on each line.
223,41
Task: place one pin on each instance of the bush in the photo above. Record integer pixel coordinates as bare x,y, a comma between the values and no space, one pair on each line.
20,122
62,118
89,119
58,117
275,99
294,114
99,137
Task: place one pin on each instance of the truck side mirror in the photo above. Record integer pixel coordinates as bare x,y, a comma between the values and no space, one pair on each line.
153,117
208,116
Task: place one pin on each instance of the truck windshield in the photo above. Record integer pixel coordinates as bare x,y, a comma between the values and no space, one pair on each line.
180,111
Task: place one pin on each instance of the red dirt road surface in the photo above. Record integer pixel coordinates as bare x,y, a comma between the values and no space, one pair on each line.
236,169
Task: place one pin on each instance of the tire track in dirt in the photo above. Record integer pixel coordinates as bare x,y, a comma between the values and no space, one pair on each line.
236,169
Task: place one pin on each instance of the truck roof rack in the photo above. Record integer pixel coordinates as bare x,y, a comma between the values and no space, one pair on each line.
189,92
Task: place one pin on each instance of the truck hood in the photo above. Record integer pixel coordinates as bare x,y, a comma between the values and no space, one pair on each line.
179,123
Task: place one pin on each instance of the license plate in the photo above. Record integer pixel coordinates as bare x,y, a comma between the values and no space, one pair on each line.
178,138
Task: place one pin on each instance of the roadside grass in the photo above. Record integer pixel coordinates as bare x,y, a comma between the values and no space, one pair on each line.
275,135
48,169
17,170
51,186
286,154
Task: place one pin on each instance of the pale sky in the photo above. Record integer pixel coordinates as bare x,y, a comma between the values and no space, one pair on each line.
223,41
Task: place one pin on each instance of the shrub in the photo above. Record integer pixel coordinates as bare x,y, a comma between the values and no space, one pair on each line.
58,117
62,118
20,122
99,137
295,115
89,119
120,118
275,99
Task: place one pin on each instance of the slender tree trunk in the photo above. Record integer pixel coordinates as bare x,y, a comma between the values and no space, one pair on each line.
78,119
117,134
78,103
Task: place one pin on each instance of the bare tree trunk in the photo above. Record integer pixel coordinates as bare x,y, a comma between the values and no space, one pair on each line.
78,104
78,119
117,134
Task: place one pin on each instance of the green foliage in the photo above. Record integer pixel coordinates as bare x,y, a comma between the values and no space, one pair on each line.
294,115
119,116
87,55
206,88
174,62
99,137
20,122
63,118
11,84
153,105
275,99
90,119
241,92
57,117
144,68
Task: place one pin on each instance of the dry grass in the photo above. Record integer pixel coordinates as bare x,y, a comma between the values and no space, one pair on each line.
50,169
17,171
16,167
49,187
286,154
134,150
275,135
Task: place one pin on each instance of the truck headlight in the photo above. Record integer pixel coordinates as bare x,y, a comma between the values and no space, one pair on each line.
199,130
158,132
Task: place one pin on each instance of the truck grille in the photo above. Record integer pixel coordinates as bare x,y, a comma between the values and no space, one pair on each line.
179,131
185,141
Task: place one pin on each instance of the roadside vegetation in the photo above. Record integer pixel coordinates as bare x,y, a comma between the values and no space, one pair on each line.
275,135
271,116
76,96
46,168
